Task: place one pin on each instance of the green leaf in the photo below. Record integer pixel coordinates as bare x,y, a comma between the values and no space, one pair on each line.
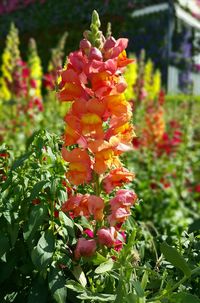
21,160
37,189
57,285
172,255
38,292
80,275
61,195
131,298
138,289
144,280
4,244
6,268
195,226
13,230
75,286
42,253
97,297
37,216
184,297
68,223
98,259
105,267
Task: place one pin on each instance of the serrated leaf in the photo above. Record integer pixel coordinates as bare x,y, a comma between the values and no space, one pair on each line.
57,285
105,267
172,255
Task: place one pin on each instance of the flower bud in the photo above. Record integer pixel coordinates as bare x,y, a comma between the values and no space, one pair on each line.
95,54
110,42
85,46
84,248
107,236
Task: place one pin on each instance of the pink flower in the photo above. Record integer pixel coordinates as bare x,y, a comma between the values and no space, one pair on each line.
124,198
85,248
89,233
118,216
120,206
95,207
107,236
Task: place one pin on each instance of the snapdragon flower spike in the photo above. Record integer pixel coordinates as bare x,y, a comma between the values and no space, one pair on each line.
98,130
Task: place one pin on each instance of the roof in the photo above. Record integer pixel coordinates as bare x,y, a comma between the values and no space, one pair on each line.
184,10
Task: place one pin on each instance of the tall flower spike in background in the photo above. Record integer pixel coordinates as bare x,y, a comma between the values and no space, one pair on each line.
98,131
55,64
10,57
35,66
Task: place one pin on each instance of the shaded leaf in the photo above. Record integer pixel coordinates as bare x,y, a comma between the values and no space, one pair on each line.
57,285
172,255
37,216
42,253
184,297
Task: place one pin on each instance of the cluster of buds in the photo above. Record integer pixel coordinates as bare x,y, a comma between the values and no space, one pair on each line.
98,130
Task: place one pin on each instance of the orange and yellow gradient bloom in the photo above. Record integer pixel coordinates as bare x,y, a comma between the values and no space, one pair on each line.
98,130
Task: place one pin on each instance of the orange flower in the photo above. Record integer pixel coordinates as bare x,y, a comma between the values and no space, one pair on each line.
77,205
117,177
79,171
123,131
155,126
103,82
70,92
91,125
85,205
105,154
122,59
117,105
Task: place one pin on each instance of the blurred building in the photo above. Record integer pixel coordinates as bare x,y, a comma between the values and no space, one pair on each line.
168,30
177,24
